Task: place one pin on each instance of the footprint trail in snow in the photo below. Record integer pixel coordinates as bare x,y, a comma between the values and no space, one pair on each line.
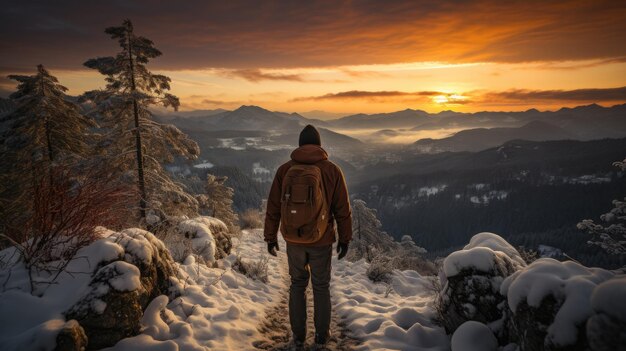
276,330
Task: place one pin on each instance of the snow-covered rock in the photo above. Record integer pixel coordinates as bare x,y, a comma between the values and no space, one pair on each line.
550,303
112,305
103,289
474,336
606,328
471,280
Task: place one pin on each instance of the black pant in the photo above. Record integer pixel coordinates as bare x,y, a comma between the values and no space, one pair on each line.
309,262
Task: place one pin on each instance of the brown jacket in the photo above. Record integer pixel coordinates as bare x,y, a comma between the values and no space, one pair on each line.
336,196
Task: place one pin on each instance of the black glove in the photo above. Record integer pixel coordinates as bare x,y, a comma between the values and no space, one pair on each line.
342,250
272,247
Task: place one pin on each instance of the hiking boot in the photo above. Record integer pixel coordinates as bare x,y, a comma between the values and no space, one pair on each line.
298,344
321,339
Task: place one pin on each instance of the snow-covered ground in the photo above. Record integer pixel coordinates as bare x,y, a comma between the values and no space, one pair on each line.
395,316
221,309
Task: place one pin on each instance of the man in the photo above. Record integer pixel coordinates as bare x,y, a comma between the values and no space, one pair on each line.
309,242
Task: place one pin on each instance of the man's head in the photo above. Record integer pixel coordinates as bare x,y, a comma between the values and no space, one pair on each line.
310,135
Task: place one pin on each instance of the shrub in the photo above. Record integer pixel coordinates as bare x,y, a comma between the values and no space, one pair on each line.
57,215
257,269
251,219
380,269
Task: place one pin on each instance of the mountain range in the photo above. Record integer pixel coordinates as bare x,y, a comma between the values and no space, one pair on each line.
483,138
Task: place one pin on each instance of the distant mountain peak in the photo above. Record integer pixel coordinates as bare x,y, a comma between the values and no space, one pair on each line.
251,108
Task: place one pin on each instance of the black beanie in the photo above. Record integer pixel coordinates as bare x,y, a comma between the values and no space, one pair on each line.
309,135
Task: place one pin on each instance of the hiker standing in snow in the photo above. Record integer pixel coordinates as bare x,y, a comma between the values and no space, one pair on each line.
308,195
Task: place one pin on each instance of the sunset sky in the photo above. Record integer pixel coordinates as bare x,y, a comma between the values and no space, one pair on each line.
340,56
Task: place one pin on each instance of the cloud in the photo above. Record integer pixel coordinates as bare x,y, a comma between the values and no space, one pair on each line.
256,75
576,95
277,34
369,95
480,97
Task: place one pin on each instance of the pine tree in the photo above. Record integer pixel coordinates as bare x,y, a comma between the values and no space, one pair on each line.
218,201
43,129
136,140
612,237
45,125
367,234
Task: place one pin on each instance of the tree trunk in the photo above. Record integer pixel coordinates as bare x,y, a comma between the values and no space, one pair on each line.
47,121
138,145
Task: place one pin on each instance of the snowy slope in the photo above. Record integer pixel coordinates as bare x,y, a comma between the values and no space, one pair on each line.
221,309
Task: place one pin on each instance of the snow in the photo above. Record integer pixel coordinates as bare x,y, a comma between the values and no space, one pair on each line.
431,190
202,240
126,279
484,251
568,282
474,336
204,165
395,317
257,169
608,298
549,251
219,309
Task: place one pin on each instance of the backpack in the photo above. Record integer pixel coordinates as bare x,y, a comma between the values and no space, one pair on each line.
304,209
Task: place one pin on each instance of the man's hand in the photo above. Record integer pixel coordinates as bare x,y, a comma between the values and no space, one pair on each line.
342,250
272,247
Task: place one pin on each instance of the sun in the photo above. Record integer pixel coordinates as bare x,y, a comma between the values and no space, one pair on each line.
440,99
449,99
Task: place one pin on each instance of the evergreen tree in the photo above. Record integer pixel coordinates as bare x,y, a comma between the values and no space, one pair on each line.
611,238
45,125
368,239
135,140
42,129
218,201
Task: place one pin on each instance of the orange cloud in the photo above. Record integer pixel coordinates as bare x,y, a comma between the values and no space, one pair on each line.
256,75
480,97
368,95
576,95
284,33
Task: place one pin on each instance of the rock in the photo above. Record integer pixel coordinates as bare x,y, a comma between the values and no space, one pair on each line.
120,290
72,337
473,336
550,302
606,328
471,283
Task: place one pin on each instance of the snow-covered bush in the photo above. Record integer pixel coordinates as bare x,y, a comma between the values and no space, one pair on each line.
380,269
606,328
409,256
256,269
471,280
550,303
207,238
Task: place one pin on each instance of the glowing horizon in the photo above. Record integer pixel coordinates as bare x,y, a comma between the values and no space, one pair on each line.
344,57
